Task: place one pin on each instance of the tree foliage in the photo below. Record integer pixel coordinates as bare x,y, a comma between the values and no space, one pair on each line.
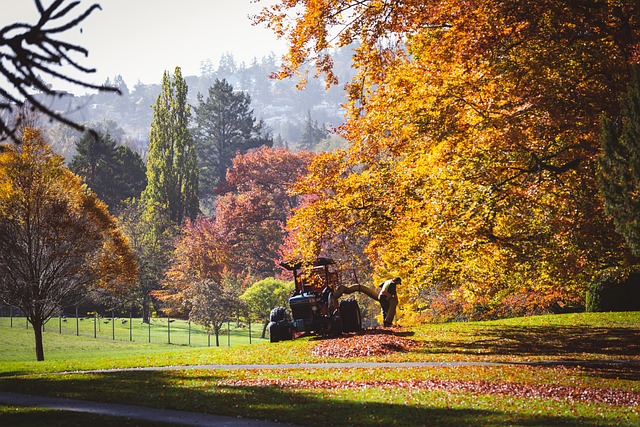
225,126
114,172
474,132
57,239
264,295
619,171
172,167
255,208
31,56
151,235
212,304
201,255
312,134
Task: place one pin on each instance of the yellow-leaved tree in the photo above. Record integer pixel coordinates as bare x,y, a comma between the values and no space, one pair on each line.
473,129
57,239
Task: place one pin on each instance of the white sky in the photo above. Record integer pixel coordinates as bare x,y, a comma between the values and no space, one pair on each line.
139,39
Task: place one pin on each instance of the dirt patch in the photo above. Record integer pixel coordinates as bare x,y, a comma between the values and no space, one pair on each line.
372,342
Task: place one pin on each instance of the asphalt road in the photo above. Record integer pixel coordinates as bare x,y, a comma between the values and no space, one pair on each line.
132,412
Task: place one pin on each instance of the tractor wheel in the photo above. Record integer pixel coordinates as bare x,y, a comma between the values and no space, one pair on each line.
350,315
278,314
280,331
273,332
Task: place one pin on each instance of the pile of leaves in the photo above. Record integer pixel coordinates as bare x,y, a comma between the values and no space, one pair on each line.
372,342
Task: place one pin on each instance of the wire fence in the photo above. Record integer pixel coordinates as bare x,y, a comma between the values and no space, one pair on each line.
128,328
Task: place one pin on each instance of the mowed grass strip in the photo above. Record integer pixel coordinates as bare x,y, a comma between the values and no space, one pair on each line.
276,394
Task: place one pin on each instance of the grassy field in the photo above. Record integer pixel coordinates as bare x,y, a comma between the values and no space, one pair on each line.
597,385
159,330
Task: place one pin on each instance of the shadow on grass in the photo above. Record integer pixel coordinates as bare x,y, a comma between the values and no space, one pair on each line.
198,391
561,342
544,341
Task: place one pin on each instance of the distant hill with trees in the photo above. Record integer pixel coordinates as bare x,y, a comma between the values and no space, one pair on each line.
287,111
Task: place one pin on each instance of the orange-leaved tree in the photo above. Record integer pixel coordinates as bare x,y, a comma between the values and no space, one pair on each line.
57,239
240,242
474,129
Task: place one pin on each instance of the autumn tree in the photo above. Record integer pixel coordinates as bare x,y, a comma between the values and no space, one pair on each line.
261,297
201,254
197,282
57,240
151,235
474,131
224,126
172,167
33,57
211,305
114,172
255,208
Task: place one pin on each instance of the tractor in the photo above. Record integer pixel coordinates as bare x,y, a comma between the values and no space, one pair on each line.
315,304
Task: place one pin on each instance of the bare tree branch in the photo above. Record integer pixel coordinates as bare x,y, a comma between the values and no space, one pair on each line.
28,50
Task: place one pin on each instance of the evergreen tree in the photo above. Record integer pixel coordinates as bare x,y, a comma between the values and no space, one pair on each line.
619,165
225,125
172,169
130,176
312,134
112,171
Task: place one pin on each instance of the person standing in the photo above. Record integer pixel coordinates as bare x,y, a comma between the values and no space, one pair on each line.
388,299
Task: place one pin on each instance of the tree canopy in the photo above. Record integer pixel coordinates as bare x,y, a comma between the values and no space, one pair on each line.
474,131
256,206
172,167
57,239
225,126
114,172
619,165
263,296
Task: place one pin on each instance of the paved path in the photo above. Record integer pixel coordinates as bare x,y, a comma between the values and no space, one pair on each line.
368,365
134,412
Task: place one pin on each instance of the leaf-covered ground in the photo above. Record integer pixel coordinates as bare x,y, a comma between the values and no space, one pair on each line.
580,394
378,342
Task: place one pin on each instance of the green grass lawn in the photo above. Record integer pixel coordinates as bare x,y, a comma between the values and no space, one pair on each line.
472,395
159,330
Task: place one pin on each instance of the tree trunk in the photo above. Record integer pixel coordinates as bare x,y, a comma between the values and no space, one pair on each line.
145,313
37,331
264,329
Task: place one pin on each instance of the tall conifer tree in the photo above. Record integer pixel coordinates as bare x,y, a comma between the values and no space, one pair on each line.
619,172
172,169
225,125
